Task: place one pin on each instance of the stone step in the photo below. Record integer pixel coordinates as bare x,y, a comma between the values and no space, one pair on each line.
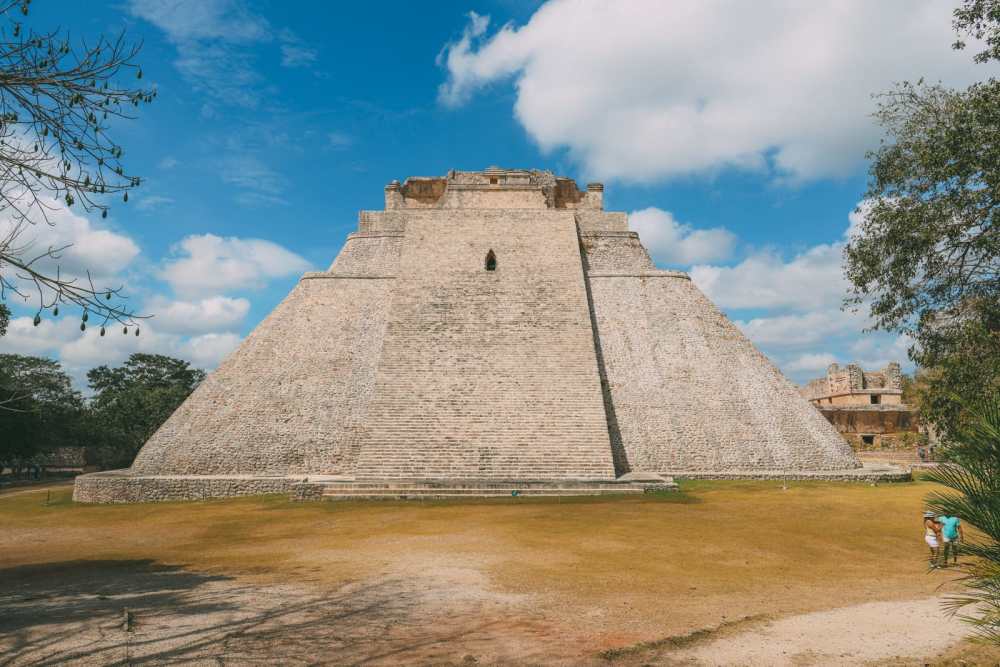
414,489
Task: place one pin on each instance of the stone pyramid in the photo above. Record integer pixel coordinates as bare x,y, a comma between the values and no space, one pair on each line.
493,325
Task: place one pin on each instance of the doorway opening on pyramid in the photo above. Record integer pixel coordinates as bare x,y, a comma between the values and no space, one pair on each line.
491,261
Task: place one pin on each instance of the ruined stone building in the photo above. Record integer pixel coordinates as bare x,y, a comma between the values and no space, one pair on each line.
485,329
866,407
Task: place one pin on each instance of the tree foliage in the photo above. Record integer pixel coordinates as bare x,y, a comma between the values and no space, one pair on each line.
973,482
39,409
59,100
926,257
979,19
4,318
131,401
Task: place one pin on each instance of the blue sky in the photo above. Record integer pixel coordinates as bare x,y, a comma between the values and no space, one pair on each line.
735,132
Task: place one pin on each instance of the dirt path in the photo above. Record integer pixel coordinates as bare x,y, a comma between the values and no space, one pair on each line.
856,635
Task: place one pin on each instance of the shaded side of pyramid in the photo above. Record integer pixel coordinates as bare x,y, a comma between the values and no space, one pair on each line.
686,390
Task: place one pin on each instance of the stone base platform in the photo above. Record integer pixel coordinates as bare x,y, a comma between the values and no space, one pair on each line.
870,472
442,489
122,486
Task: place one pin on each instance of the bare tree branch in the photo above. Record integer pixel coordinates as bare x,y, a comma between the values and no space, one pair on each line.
58,101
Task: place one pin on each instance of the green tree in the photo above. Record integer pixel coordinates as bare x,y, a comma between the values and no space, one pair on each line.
4,318
925,260
59,99
131,401
972,478
39,409
979,19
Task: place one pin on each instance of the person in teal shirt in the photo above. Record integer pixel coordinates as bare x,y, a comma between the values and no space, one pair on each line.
952,535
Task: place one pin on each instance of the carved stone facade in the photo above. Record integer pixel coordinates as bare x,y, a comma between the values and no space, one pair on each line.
866,407
490,325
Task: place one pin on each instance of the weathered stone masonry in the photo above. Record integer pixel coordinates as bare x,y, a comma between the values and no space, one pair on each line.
575,359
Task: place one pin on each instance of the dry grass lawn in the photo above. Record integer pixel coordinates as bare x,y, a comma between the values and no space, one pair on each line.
524,580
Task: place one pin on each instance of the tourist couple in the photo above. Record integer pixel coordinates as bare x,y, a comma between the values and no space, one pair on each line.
946,531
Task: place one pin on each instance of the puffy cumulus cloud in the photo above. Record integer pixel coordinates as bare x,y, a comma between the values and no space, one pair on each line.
99,249
810,280
208,264
646,89
877,351
208,350
791,308
204,315
810,363
792,330
23,337
672,242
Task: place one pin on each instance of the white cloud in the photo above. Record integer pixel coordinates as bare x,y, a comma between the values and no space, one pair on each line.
52,333
204,315
99,249
150,202
209,35
259,184
810,362
797,329
672,242
184,20
209,264
813,279
208,350
876,352
168,162
646,89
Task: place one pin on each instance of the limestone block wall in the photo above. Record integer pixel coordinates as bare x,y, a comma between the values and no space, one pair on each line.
287,400
488,374
117,488
689,392
369,253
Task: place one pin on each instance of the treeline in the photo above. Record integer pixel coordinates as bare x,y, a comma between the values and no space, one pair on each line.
40,411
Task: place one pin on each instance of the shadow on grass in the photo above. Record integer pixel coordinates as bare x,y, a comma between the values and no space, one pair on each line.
136,611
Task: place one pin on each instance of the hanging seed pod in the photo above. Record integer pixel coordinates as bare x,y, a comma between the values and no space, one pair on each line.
125,198
55,311
85,316
38,320
138,74
137,331
125,331
104,213
83,327
102,331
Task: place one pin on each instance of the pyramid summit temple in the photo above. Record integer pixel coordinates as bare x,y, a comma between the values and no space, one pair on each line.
487,331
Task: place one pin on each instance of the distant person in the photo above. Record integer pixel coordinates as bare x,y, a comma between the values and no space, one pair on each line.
951,535
932,536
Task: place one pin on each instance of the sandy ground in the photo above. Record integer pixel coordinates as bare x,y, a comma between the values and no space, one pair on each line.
856,635
144,613
629,582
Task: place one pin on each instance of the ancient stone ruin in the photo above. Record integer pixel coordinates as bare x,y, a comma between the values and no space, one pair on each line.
486,332
866,407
